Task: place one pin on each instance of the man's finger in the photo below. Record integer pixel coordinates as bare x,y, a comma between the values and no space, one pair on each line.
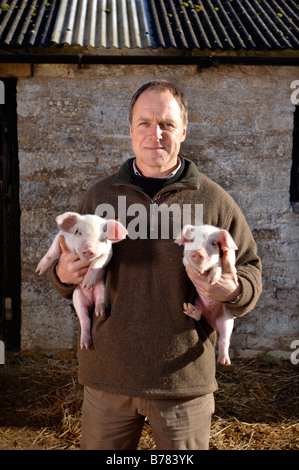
228,263
62,244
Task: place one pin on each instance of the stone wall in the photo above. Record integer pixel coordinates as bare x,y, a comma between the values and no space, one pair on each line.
73,129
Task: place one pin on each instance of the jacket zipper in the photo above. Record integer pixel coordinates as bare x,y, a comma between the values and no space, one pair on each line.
154,207
154,202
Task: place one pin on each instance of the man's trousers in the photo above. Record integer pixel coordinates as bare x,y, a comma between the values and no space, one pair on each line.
115,422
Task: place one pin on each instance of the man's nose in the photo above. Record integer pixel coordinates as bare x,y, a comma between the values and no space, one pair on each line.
156,132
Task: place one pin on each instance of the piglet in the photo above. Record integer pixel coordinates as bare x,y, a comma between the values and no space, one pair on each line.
90,237
203,247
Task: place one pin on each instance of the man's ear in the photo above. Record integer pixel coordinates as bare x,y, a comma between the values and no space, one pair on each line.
184,133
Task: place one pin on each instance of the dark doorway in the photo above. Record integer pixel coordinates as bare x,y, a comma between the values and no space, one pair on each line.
294,188
10,265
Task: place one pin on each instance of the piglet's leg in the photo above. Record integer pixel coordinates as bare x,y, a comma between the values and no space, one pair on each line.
96,270
214,274
90,278
224,325
82,304
49,257
193,311
99,297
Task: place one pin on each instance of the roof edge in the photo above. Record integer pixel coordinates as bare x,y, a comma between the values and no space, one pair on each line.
150,51
206,60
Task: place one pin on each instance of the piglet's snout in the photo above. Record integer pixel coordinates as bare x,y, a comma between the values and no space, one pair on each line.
199,255
88,253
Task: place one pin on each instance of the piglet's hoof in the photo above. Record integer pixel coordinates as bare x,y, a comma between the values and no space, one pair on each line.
224,360
100,310
85,341
191,311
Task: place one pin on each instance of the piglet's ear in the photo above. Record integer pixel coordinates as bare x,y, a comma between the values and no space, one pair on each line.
67,221
226,241
187,235
115,231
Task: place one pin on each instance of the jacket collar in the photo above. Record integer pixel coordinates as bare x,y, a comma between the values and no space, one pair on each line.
191,174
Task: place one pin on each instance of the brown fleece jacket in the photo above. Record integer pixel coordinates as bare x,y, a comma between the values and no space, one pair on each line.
146,346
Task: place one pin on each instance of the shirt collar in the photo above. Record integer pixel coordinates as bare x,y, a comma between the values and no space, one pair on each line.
137,172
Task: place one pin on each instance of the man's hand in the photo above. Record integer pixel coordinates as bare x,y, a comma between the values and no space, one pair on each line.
70,269
226,289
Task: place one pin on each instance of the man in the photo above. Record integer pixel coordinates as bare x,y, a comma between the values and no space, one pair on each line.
148,358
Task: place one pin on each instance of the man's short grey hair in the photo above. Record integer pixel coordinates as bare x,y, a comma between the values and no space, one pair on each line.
162,85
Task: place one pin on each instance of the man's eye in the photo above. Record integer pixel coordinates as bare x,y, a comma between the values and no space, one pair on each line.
168,125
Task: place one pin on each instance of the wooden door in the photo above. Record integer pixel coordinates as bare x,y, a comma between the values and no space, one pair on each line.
10,314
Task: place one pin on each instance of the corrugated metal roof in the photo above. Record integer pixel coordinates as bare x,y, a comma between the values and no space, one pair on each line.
102,23
225,24
27,22
95,23
197,24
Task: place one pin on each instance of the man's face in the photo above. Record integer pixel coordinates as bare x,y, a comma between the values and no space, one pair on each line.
157,131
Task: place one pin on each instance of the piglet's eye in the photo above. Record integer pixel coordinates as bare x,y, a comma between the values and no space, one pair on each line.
77,232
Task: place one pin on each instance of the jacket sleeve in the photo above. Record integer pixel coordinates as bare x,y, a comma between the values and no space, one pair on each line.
248,264
64,290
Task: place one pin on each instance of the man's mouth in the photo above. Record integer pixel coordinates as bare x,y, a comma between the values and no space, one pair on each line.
154,148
